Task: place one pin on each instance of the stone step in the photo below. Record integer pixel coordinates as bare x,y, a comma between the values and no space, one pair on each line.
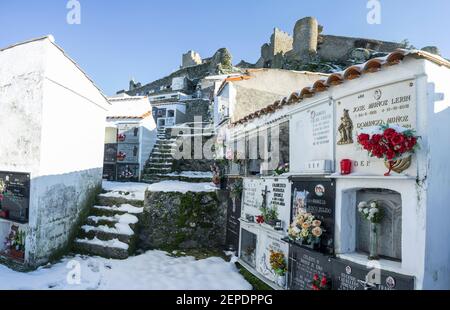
114,210
104,200
159,164
159,159
111,221
114,249
153,178
121,232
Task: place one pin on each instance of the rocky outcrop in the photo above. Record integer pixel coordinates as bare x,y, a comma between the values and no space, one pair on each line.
180,221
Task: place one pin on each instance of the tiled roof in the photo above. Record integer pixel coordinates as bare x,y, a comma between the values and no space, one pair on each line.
351,73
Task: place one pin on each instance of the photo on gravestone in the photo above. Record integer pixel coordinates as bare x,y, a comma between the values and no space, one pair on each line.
350,276
234,213
15,196
111,153
128,173
315,197
307,267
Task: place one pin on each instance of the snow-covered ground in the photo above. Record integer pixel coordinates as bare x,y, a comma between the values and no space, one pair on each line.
154,270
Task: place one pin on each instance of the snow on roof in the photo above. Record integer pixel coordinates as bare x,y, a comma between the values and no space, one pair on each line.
124,106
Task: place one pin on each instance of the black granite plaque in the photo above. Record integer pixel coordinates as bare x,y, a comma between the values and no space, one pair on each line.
15,195
110,172
233,224
127,173
317,196
110,153
304,264
350,276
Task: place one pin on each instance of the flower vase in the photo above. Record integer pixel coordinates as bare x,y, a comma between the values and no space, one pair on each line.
373,245
281,281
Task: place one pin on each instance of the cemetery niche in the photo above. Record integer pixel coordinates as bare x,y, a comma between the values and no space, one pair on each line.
313,214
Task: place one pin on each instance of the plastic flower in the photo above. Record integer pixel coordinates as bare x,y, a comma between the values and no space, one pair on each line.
316,223
317,232
306,225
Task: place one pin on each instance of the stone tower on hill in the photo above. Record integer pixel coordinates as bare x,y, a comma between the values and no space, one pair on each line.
311,50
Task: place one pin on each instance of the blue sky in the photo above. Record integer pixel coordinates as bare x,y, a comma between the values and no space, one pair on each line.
144,39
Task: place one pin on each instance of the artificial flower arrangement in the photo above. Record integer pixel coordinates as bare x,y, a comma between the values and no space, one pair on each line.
320,284
282,169
306,228
392,143
121,156
269,215
121,137
371,212
15,243
278,263
236,189
217,175
127,174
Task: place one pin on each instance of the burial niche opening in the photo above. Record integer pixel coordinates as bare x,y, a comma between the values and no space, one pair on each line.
390,228
248,247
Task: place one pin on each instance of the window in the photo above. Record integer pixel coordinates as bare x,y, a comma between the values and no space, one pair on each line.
171,113
390,241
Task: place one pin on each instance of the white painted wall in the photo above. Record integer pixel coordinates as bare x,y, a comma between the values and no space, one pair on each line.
43,98
437,184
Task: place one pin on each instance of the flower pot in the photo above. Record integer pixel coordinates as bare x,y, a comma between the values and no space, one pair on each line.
399,165
281,280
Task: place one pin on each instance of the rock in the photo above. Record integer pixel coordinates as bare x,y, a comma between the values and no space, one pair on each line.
182,221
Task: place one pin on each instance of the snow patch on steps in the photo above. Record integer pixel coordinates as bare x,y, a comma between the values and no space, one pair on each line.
119,229
127,208
115,243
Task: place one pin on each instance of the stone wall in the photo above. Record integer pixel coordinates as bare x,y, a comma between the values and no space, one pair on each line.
197,108
182,221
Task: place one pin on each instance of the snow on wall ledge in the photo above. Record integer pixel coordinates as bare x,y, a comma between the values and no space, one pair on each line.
181,187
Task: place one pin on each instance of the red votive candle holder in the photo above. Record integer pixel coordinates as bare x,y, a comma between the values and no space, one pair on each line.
346,166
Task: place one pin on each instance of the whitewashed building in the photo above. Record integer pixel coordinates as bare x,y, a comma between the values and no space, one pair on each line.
407,89
130,137
50,161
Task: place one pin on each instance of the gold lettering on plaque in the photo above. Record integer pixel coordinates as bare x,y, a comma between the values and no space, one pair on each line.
346,129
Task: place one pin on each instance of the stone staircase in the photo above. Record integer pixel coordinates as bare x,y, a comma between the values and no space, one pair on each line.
161,159
111,230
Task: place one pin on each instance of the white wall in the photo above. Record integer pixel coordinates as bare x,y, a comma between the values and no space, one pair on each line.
53,120
148,140
437,259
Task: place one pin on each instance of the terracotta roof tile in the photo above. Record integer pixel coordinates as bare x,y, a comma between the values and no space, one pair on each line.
353,72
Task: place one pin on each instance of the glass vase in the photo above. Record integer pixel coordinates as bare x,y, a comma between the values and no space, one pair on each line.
373,245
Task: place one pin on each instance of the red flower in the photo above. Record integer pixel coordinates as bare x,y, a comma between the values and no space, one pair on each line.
397,139
316,277
324,282
376,138
363,137
389,133
260,219
315,288
390,154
